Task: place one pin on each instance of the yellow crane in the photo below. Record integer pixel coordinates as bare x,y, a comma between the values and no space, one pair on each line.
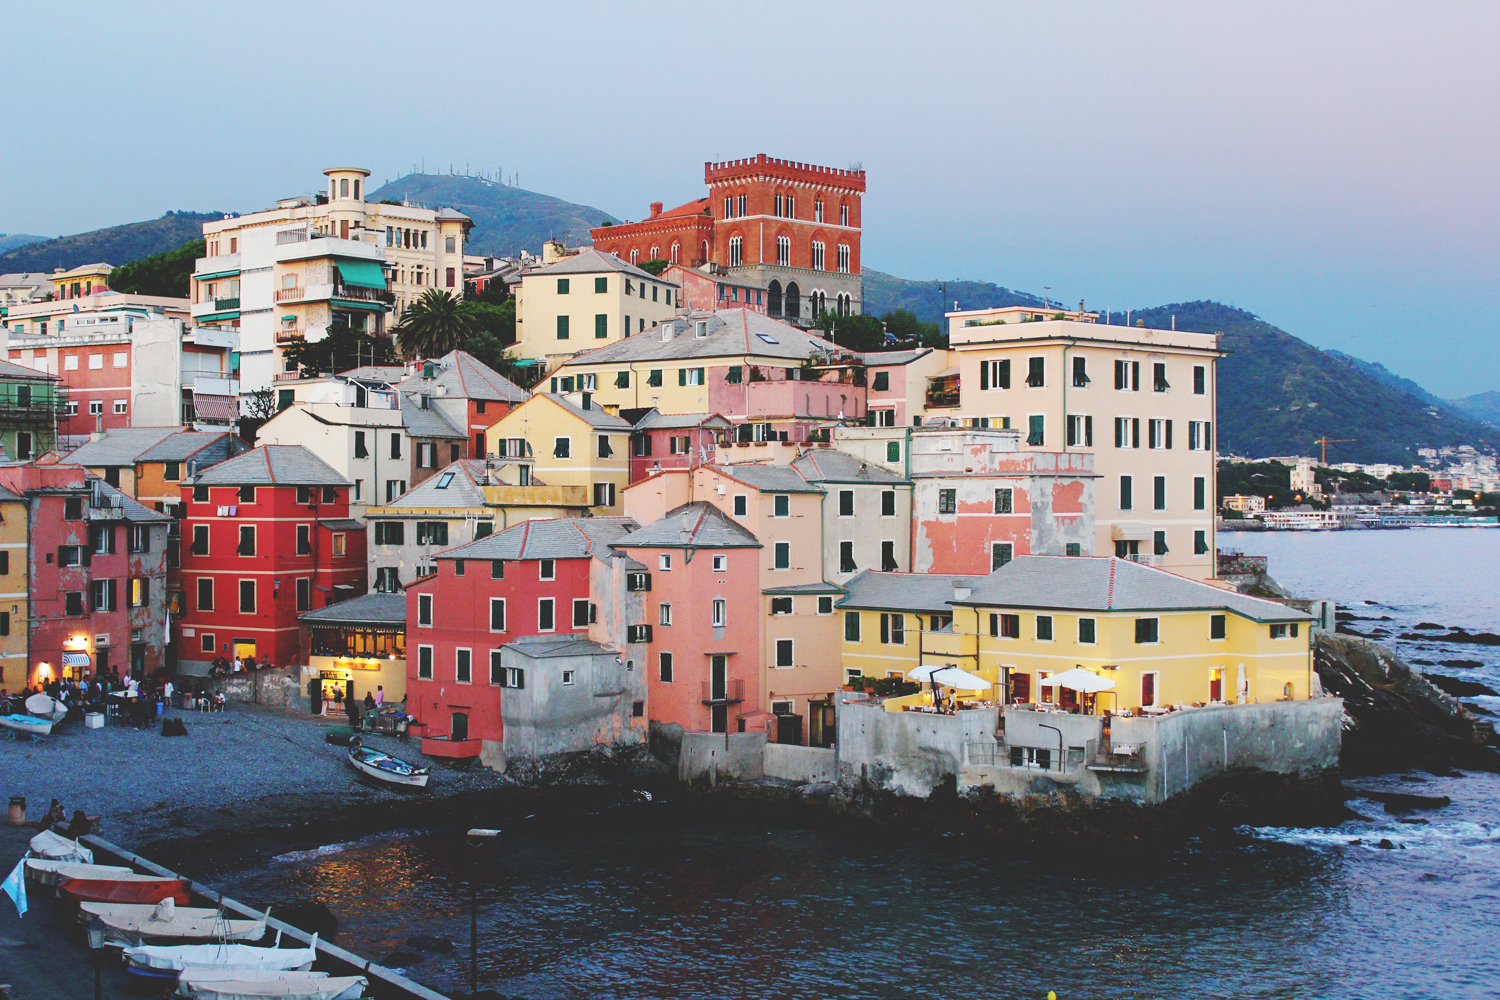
1326,441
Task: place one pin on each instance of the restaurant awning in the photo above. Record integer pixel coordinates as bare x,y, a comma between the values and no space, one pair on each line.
75,659
361,273
210,407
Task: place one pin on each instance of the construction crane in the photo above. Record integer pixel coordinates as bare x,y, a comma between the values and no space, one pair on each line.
1326,441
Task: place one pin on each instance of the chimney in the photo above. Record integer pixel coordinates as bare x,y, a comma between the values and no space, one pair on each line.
655,209
960,592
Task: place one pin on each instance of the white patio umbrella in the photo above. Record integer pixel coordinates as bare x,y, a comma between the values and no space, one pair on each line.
1242,687
1079,679
950,676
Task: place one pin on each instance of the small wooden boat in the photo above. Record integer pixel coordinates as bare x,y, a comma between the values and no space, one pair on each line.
26,725
215,984
45,872
44,706
167,961
137,890
384,767
130,924
49,845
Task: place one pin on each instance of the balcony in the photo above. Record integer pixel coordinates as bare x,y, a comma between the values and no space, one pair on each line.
224,305
942,397
1130,758
358,293
288,335
727,693
289,294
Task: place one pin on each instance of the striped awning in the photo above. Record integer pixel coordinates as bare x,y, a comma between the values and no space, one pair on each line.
75,659
209,407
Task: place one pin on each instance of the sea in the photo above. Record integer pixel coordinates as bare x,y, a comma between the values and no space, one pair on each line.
659,900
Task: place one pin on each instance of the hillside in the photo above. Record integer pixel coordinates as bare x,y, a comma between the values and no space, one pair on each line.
884,293
1278,393
1483,406
506,219
9,241
1385,376
114,245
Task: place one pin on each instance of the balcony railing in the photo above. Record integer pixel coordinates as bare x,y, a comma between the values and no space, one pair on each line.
220,305
288,335
289,294
1118,757
943,397
356,293
727,693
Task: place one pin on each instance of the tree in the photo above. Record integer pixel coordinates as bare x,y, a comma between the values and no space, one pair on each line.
906,328
857,333
340,351
433,325
494,292
655,266
260,405
161,274
497,320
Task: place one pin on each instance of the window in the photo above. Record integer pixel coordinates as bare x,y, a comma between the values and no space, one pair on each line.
1200,492
424,610
304,595
653,377
562,447
1127,502
387,580
546,569
784,653
1159,542
1159,378
583,613
562,286
741,505
736,251
782,558
638,582
893,451
360,449
247,597
1200,380
121,405
719,612
1086,631
432,533
304,540
721,564
664,667
199,546
882,382
994,375
817,255
1147,630
390,533
888,557
887,503
843,262
1035,433
781,505
1080,431
1000,554
205,594
784,251
1217,626
206,642
247,494
337,545
24,444
851,626
947,501
664,562
247,541
601,326
96,361
1159,434
1200,543
395,445
73,601
1148,688
604,494
1005,626
664,614
1004,501
424,663
1044,628
893,629
511,677
1159,492
562,327
1036,372
103,594
846,557
1278,631
846,503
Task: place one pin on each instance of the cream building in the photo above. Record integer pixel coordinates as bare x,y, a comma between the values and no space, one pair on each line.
290,271
583,301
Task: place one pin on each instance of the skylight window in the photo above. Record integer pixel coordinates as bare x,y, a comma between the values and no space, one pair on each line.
444,480
768,338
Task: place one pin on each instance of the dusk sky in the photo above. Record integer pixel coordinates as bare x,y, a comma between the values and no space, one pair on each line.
1324,167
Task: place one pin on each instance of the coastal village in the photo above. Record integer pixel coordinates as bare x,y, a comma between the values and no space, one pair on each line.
687,525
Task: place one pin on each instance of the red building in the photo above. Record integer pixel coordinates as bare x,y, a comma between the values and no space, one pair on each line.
265,536
96,575
471,394
673,440
537,578
790,228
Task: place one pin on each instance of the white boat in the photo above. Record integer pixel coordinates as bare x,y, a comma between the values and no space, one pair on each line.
49,845
44,706
170,959
45,872
29,725
392,770
213,984
130,924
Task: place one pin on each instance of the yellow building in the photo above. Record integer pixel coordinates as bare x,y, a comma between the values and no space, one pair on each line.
15,610
586,300
86,279
572,442
1162,639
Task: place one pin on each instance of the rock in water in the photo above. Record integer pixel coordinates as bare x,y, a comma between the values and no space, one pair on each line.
429,943
400,959
308,915
1386,845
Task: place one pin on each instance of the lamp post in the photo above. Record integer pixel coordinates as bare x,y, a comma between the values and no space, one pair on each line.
477,839
96,944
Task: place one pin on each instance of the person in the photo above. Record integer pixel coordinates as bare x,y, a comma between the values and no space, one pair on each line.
249,663
166,692
370,701
219,701
379,695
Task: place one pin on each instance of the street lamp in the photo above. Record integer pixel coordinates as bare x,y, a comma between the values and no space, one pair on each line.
96,944
477,838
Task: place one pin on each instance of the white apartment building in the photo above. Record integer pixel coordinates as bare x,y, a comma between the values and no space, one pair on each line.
291,271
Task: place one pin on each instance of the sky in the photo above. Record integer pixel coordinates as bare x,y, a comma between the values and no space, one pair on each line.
1329,167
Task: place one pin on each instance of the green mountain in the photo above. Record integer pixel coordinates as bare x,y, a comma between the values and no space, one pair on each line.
884,293
1278,393
9,241
167,273
1484,406
506,219
114,245
1385,376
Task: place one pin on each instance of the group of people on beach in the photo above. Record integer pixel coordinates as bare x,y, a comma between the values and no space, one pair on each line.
137,699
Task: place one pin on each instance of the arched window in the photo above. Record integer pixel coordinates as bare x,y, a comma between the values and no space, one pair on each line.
843,258
676,252
818,210
792,302
704,258
817,255
655,253
344,188
784,251
844,303
843,213
819,302
736,251
773,299
635,255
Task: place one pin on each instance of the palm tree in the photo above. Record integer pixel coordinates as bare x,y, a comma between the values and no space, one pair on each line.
433,325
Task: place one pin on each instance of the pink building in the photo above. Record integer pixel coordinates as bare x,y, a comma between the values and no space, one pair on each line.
707,289
673,441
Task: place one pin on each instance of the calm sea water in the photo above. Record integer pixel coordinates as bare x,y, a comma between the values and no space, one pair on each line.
655,902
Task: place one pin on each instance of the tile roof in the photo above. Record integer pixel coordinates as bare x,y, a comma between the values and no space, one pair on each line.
371,609
826,465
593,262
464,375
554,538
9,369
1110,584
768,478
806,588
390,374
427,423
121,446
928,592
695,207
698,525
272,465
731,333
542,647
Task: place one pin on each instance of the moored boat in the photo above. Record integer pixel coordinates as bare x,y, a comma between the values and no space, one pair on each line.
169,960
49,845
47,872
218,984
28,725
44,706
384,767
130,924
138,890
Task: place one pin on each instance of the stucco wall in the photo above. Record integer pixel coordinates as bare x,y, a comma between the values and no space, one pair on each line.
548,717
907,753
796,763
714,757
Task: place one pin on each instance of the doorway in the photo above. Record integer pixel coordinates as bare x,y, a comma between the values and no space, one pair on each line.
459,729
1215,683
718,693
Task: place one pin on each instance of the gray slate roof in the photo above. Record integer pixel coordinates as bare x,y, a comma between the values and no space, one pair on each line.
204,446
429,423
464,375
654,420
594,415
121,446
371,609
390,374
698,525
272,465
884,359
929,592
768,478
593,262
554,538
9,369
730,333
542,647
826,465
806,588
463,490
6,494
1110,584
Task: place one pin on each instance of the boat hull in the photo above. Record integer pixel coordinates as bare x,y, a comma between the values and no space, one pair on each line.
27,724
393,772
109,891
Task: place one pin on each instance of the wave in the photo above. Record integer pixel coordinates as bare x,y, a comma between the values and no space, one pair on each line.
1434,836
316,852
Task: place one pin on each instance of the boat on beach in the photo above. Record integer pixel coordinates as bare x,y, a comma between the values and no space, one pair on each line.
223,984
167,961
384,767
45,872
130,924
50,846
135,890
44,706
27,725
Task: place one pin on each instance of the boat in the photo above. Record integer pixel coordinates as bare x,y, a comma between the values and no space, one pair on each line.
392,770
26,725
44,706
46,872
135,890
130,924
224,984
49,845
167,961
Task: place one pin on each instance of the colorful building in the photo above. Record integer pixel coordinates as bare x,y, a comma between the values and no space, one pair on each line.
673,440
32,404
584,301
466,391
15,590
149,464
82,281
570,441
711,287
898,382
266,536
358,647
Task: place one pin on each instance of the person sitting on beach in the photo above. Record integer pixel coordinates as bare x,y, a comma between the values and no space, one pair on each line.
369,701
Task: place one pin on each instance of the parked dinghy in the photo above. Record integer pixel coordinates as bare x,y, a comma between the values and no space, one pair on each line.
214,984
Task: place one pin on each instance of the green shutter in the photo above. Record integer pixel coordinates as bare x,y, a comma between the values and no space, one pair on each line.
562,328
682,376
601,326
893,451
601,284
562,286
